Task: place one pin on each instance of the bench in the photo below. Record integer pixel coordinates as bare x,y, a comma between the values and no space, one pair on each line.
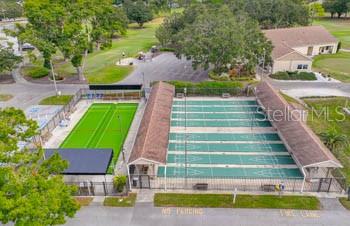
200,186
226,95
180,95
268,187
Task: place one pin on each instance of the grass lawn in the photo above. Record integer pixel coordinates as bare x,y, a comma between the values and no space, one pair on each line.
100,66
337,65
83,201
102,126
332,119
345,202
242,201
340,28
127,201
56,100
5,97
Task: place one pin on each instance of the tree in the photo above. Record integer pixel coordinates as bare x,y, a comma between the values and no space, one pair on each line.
73,27
316,10
8,59
138,12
32,191
10,9
274,13
333,139
218,38
338,7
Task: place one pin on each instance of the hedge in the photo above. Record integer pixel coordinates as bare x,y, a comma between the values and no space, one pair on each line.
208,87
294,75
35,71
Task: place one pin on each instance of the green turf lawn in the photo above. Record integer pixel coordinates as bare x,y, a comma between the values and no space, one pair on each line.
242,201
100,127
320,124
100,66
127,201
340,28
337,65
345,202
56,100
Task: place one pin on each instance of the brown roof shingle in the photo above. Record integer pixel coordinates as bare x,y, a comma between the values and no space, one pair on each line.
305,146
152,137
285,39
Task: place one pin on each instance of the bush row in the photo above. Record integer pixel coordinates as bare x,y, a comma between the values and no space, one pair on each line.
208,87
294,75
35,71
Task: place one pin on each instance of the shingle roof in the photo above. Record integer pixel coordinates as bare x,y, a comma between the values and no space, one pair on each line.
304,145
152,137
285,39
84,161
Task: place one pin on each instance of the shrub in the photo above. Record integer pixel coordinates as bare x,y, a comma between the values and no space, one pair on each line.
119,182
35,71
208,87
293,75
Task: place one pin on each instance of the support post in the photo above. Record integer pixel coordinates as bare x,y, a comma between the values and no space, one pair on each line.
165,186
129,178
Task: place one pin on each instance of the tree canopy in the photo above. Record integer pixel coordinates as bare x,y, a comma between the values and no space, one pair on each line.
72,27
138,12
8,59
339,7
215,36
10,9
32,192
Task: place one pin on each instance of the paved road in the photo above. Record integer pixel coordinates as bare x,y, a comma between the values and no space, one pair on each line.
301,89
145,214
165,67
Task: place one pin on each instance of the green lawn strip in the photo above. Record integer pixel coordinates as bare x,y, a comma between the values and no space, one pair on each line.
124,201
331,119
339,28
100,66
242,201
56,100
289,99
5,97
337,65
345,202
109,74
83,201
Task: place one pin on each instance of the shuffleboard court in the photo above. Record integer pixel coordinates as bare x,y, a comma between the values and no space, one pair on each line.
216,152
102,126
225,136
220,172
226,147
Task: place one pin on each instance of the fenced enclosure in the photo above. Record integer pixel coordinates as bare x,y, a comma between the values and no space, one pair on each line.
90,188
241,184
234,91
97,92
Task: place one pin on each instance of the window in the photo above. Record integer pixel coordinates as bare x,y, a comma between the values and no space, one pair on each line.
305,66
300,66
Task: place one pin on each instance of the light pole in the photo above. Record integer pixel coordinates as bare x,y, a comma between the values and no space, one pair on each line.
53,77
185,93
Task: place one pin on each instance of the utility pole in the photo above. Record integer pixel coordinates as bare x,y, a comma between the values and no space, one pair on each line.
54,78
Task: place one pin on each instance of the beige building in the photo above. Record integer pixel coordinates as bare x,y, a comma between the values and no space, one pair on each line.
294,47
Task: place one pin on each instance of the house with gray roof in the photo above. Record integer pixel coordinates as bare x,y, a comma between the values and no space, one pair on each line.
294,48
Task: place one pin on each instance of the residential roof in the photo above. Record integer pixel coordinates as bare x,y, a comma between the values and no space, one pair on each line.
285,39
84,161
304,145
151,142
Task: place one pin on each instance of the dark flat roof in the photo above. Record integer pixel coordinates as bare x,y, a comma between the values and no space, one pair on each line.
84,161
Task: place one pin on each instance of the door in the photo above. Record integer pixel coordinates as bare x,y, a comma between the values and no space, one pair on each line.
145,181
310,50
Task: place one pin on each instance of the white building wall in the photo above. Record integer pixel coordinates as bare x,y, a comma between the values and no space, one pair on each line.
291,65
316,49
